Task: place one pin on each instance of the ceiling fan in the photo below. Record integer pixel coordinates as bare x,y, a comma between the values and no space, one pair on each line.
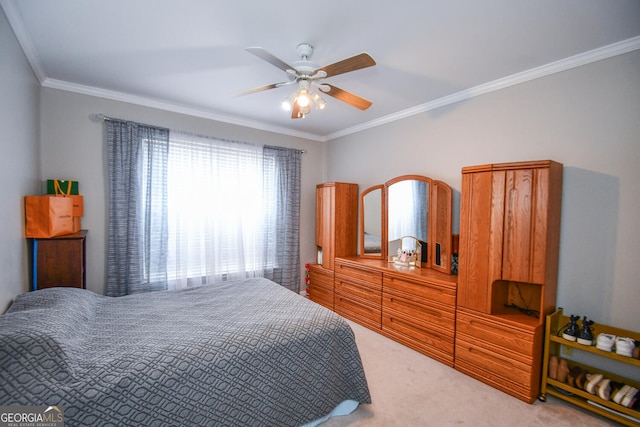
307,76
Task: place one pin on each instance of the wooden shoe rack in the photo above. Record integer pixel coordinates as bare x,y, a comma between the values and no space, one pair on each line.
553,345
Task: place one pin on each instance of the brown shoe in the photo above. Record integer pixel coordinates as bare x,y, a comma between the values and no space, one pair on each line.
563,370
581,380
553,367
576,377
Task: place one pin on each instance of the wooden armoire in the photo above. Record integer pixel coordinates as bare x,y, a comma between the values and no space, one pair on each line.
508,270
336,236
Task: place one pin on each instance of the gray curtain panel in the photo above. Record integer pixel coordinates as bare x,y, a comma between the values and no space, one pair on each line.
287,239
137,226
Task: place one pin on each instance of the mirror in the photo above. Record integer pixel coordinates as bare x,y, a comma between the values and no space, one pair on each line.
408,213
412,216
371,224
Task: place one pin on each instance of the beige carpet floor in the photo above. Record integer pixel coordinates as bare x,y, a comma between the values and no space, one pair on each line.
410,389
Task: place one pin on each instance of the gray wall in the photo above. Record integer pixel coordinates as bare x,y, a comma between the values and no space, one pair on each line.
19,160
587,118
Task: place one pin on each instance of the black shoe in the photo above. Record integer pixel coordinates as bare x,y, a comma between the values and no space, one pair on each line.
586,334
571,333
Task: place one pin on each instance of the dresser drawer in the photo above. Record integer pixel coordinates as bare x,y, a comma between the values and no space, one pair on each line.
519,391
358,272
365,290
420,331
321,295
496,361
418,308
358,310
320,275
497,333
321,286
430,291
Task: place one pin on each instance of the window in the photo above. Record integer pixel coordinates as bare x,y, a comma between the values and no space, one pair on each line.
187,210
220,209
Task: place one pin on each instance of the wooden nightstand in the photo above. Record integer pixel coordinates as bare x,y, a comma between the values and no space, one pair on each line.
59,261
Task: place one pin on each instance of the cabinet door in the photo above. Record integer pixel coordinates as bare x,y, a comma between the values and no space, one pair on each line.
480,256
59,262
525,225
325,225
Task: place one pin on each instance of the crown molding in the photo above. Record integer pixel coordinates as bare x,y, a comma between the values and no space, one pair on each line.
588,57
175,108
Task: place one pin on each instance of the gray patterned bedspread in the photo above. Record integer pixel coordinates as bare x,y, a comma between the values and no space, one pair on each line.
239,354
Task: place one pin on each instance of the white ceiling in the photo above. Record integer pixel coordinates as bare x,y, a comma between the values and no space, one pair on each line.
188,55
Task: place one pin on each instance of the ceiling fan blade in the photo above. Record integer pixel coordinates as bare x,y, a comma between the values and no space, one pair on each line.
357,62
295,111
344,96
263,54
262,88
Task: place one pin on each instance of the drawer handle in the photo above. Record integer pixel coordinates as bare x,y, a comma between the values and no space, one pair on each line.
417,306
432,288
483,326
492,328
415,327
489,356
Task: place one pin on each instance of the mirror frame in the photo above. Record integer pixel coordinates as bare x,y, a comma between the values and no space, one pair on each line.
440,209
383,221
438,222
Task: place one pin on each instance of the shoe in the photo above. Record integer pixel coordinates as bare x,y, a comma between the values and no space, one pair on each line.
636,351
615,388
605,342
577,377
625,346
586,334
603,389
630,398
626,396
581,380
592,382
571,334
553,367
563,370
619,395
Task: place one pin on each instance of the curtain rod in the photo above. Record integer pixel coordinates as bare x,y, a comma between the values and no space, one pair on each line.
99,117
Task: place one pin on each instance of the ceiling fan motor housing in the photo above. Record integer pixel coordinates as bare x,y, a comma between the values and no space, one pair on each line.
304,50
304,68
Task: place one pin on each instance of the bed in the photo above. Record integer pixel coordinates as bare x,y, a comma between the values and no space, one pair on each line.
240,353
372,244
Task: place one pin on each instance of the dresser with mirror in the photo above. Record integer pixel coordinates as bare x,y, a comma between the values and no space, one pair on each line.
400,284
488,321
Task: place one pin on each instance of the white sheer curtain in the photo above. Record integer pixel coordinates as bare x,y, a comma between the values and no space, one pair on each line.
401,208
216,211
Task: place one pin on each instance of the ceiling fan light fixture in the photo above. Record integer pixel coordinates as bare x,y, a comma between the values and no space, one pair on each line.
287,104
318,101
303,98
